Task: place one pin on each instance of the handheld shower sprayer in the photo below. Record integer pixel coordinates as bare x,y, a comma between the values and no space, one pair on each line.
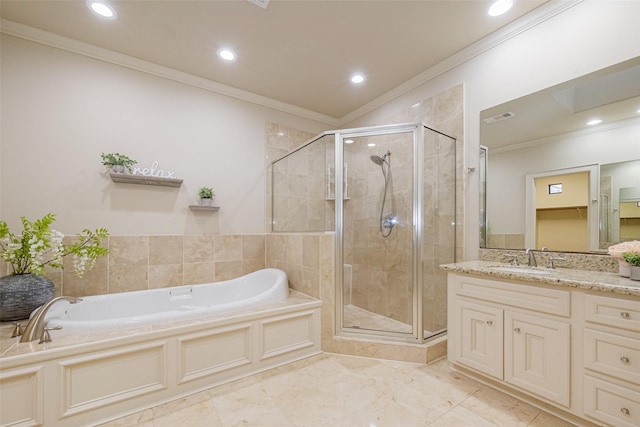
387,222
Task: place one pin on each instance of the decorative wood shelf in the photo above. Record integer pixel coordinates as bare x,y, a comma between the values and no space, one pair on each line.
204,208
145,180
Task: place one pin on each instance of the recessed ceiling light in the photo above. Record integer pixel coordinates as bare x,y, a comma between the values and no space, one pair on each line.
371,144
638,110
102,9
348,141
357,78
227,54
594,122
500,7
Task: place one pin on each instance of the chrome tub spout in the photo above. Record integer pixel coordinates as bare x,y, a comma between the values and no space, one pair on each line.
35,328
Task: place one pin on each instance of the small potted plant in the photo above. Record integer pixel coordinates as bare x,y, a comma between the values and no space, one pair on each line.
206,196
633,258
117,162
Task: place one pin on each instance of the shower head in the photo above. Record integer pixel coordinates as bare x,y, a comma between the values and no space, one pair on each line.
377,160
380,160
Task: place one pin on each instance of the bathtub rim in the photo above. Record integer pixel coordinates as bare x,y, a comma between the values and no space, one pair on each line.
20,353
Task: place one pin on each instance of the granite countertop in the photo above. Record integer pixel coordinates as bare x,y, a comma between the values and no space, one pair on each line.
564,277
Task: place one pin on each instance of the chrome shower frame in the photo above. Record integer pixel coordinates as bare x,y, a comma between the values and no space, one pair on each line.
417,131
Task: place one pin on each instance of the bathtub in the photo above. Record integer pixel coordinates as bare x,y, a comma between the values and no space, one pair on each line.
158,346
155,306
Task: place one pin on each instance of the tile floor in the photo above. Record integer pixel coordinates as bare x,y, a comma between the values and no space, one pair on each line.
338,390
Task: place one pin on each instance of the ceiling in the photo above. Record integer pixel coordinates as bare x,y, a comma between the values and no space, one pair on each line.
611,94
299,53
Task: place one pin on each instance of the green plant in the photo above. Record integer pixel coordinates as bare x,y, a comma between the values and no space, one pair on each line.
39,245
117,159
632,258
206,193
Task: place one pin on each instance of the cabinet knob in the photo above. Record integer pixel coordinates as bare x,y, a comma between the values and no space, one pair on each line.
624,359
625,411
625,315
489,322
517,330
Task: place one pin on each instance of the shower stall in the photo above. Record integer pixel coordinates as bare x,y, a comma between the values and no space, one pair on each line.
389,194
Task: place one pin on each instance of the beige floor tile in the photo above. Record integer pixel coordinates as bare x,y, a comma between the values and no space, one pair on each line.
344,391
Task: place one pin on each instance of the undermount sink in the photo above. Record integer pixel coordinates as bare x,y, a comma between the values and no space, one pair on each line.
517,269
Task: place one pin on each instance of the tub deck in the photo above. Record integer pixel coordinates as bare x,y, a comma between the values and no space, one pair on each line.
92,378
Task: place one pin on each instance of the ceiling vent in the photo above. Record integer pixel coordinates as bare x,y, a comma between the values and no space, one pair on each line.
499,117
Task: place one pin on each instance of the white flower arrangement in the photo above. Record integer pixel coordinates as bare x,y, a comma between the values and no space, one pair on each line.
39,245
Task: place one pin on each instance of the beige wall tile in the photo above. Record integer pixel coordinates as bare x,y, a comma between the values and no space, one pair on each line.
226,270
311,251
165,275
227,248
253,247
198,248
128,263
198,272
165,250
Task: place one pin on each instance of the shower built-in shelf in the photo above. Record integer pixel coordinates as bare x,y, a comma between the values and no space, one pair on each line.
333,198
145,180
204,208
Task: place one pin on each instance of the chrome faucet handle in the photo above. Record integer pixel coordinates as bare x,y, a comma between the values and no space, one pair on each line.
552,259
513,258
46,337
17,330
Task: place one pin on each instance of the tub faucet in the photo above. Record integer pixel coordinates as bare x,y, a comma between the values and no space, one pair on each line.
35,328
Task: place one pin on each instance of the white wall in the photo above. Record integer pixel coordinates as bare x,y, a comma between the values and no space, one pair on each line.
60,110
587,37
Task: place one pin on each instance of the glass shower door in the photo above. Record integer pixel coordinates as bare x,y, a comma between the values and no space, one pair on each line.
378,232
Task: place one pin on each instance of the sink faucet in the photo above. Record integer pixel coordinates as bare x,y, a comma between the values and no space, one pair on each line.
35,328
532,258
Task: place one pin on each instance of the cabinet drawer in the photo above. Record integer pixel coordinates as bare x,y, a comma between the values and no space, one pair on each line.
543,300
621,313
612,355
612,404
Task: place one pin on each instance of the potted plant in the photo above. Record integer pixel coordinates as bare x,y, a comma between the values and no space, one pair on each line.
26,287
633,258
206,196
117,162
617,251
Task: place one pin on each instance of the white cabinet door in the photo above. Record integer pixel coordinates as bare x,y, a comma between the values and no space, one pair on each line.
480,337
537,355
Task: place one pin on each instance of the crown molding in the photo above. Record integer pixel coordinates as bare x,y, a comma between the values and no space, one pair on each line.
60,42
530,20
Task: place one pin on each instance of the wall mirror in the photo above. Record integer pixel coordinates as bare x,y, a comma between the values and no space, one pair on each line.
546,134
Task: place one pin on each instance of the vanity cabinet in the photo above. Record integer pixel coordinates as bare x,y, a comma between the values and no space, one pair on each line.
517,334
612,360
577,350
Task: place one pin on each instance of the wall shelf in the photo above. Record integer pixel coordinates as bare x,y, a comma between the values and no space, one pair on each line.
204,208
145,180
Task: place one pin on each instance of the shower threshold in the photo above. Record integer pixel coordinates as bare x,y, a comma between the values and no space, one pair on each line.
359,318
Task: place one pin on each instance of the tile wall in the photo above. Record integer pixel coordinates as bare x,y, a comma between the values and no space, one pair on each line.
149,261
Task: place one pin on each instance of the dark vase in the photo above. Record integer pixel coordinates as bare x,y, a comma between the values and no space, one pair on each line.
20,294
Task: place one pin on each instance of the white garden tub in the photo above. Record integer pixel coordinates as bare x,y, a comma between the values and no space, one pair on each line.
125,353
154,306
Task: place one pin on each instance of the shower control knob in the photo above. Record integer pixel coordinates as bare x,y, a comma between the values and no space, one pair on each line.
624,359
516,330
